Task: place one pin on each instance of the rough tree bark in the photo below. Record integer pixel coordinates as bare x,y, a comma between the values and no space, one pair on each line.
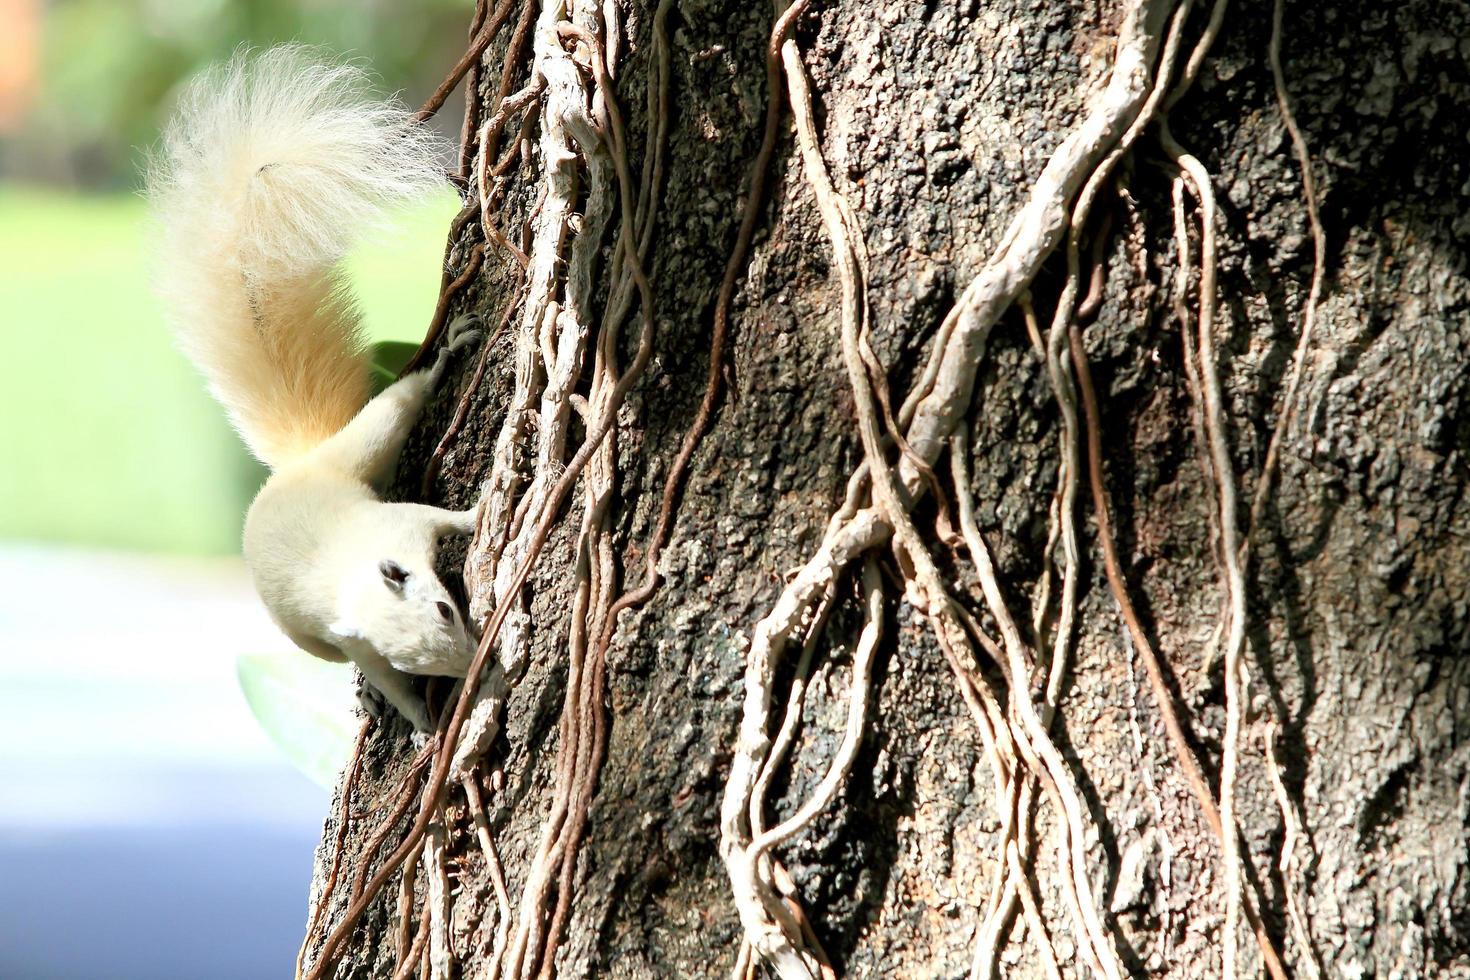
1350,711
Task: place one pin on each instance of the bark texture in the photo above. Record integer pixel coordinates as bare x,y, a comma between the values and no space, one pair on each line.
936,120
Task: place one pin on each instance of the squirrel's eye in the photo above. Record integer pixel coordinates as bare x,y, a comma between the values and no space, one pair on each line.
446,611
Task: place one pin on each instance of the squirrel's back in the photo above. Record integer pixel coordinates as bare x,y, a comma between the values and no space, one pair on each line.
273,167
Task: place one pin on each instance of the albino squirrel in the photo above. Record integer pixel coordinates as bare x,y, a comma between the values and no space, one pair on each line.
273,167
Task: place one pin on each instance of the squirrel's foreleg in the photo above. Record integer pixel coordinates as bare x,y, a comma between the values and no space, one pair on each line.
394,685
369,445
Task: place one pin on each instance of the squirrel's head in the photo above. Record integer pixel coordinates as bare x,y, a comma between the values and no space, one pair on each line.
407,615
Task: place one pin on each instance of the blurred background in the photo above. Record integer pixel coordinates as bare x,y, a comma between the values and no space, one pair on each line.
149,827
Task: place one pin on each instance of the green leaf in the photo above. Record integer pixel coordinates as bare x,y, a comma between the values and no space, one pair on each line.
304,705
387,358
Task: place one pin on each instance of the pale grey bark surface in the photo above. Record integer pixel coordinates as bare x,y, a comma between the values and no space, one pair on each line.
936,118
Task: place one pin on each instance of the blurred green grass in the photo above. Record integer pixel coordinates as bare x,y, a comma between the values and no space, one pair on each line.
107,437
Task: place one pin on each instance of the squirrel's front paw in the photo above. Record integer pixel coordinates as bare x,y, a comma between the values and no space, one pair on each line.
371,699
417,714
463,332
410,706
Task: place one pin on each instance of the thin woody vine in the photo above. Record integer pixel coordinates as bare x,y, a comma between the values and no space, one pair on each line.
555,132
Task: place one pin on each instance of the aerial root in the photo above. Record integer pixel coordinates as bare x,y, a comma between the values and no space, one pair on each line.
411,962
1293,834
344,823
1016,739
569,133
597,138
410,941
462,407
491,195
1224,473
407,787
449,288
555,328
1287,410
1015,791
437,898
1031,910
424,947
1163,697
583,743
1159,831
470,782
930,414
859,691
481,34
1266,482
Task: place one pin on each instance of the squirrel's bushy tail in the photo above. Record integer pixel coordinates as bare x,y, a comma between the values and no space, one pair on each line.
273,167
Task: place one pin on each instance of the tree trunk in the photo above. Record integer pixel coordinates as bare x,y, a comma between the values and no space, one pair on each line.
1016,799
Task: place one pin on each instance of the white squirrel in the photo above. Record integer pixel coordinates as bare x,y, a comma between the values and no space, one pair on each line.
273,167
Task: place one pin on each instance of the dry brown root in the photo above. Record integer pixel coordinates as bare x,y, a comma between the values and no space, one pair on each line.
406,791
583,724
436,900
1266,481
1300,929
555,326
426,947
930,414
841,764
1035,922
486,838
640,212
857,708
1140,641
413,959
481,34
1159,831
322,900
554,334
1287,410
1013,882
1203,382
1197,55
533,946
462,408
786,734
1224,471
1064,339
407,938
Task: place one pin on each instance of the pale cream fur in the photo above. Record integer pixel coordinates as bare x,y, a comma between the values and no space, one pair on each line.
273,168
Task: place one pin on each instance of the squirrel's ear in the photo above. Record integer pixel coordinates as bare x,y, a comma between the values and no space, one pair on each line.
394,574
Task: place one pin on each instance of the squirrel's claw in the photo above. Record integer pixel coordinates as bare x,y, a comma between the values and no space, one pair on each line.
464,331
375,703
371,699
